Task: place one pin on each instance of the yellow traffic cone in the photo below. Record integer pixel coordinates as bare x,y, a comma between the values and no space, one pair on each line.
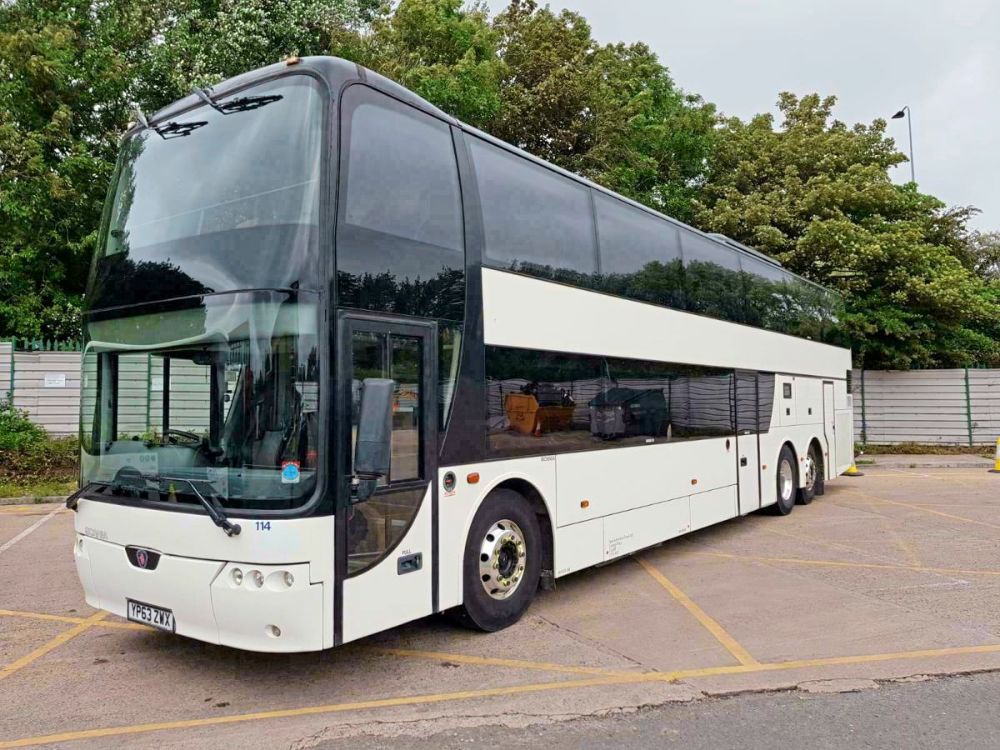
996,462
853,471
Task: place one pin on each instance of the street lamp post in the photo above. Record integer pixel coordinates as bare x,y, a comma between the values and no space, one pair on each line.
905,112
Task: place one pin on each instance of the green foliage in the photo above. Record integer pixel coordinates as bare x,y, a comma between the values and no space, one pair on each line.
921,290
70,72
817,195
984,251
440,49
206,41
611,112
42,467
17,432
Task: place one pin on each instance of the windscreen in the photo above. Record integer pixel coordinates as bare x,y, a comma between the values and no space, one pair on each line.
222,197
221,391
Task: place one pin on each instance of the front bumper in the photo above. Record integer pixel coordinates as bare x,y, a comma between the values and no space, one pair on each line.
283,614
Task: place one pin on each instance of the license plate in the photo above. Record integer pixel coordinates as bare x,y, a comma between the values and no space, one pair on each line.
147,614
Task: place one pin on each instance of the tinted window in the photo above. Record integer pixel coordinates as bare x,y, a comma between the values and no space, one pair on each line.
712,278
400,234
767,294
217,201
552,402
765,399
640,253
536,221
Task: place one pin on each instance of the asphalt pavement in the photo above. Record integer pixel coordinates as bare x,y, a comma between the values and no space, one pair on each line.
949,712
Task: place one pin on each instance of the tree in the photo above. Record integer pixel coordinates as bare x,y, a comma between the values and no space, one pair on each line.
206,41
65,68
70,71
816,195
984,249
651,140
440,49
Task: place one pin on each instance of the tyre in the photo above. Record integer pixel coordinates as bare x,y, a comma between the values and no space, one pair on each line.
787,477
502,563
812,476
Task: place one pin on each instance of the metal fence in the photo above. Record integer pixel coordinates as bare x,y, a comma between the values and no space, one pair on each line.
46,384
948,407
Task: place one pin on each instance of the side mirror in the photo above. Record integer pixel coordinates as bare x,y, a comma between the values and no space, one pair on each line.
373,447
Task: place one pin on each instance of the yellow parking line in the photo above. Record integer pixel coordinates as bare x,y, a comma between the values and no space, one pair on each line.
409,700
413,700
927,510
404,652
30,509
904,545
498,662
75,620
844,564
824,542
54,643
713,627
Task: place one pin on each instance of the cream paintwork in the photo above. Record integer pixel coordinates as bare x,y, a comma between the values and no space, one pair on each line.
529,313
638,496
643,495
615,480
457,509
381,598
194,553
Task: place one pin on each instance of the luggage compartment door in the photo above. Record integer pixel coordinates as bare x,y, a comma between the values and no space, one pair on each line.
747,441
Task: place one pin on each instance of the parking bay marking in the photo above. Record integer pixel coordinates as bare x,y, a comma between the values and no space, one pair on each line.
45,648
847,564
863,495
728,642
402,652
10,543
412,700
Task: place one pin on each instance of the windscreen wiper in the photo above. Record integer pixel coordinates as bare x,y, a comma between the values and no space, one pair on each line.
240,103
213,507
117,487
174,129
73,500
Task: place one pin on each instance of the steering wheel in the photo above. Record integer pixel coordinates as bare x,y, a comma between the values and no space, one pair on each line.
171,436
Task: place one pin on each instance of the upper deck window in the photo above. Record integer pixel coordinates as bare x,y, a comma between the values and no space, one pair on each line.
400,236
640,253
536,220
712,278
218,198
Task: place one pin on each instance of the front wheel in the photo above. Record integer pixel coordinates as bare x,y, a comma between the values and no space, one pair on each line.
788,482
503,559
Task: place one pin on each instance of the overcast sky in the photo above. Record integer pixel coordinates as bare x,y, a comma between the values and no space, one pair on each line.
941,57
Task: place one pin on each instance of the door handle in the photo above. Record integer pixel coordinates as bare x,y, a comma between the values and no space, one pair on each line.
743,460
409,563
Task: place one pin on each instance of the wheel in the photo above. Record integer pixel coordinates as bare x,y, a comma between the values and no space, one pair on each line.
503,560
787,482
812,476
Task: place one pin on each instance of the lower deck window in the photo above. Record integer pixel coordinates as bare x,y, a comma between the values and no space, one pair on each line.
543,402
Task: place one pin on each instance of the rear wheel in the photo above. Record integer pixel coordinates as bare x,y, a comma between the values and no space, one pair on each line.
787,482
812,476
503,559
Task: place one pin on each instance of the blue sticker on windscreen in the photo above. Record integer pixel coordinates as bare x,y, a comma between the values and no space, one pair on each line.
290,472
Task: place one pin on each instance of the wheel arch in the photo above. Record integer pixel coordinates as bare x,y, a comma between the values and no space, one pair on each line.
796,453
824,454
526,489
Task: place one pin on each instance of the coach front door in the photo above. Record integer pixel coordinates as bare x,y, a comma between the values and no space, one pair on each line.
384,547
